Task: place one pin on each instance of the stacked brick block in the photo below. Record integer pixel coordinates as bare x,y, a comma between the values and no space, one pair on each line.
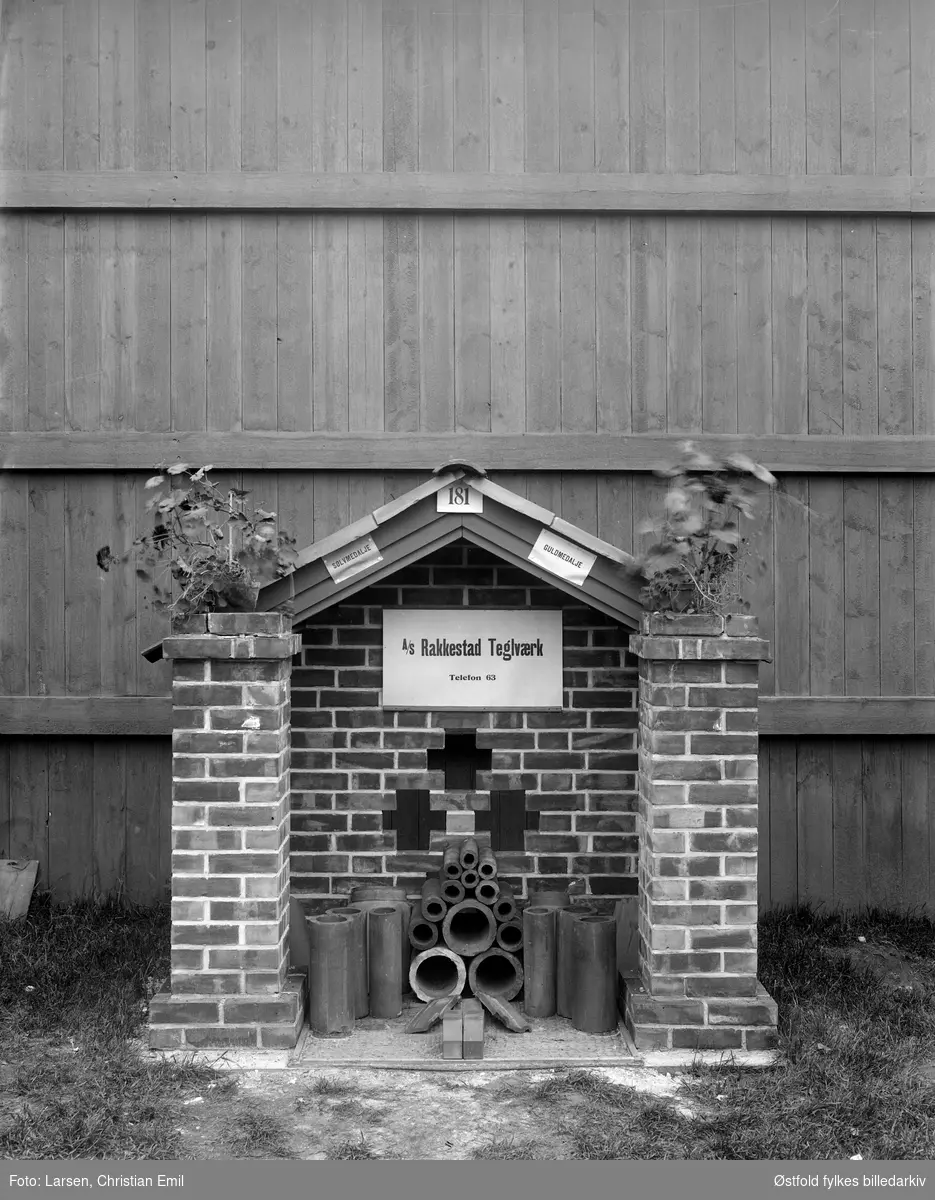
230,837
698,696
577,766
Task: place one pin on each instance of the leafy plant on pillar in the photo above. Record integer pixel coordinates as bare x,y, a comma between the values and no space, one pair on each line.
700,561
205,541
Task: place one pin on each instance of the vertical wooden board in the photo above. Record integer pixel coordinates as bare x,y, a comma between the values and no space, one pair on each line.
849,867
916,820
46,321
153,679
224,287
858,47
783,825
611,86
719,350
892,87
14,36
330,348
296,331
329,86
365,85
82,329
648,329
649,493
813,781
71,805
754,326
188,240
109,816
187,86
81,130
647,86
788,276
922,84
44,88
400,87
859,327
296,511
579,499
763,875
14,347
923,526
294,105
543,325
894,287
401,324
825,358
578,311
612,323
683,318
682,94
46,574
258,330
897,588
545,489
331,503
751,88
436,322
224,87
117,84
117,314
861,609
153,409
882,765
923,326
508,324
365,493
826,586
790,568
259,145
717,96
148,819
787,86
263,492
822,87
436,71
152,103
542,95
576,35
365,321
14,596
761,589
120,662
84,583
29,802
507,101
615,510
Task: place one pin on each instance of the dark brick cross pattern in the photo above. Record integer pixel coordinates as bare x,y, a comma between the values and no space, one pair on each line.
506,820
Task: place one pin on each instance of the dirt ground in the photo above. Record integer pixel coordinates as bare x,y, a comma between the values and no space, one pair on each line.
313,1114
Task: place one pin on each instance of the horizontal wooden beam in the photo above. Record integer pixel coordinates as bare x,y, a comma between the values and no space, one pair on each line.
126,451
469,192
780,716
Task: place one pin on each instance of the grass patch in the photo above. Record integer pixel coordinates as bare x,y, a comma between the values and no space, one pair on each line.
351,1148
74,986
252,1133
355,1110
330,1085
507,1148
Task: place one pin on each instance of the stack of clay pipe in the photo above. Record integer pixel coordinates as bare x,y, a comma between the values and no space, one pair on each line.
466,929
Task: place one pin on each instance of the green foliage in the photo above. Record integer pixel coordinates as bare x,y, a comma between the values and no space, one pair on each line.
205,541
698,561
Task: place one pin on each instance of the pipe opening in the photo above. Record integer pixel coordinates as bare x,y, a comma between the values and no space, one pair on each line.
469,925
422,933
495,974
487,892
470,879
337,918
510,937
452,891
437,976
434,910
504,909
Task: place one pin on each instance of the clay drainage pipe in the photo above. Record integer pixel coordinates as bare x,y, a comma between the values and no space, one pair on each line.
487,891
469,854
451,864
496,972
422,934
469,928
504,907
452,891
432,905
437,973
510,935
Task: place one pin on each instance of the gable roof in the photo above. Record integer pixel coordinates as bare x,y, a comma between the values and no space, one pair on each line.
411,526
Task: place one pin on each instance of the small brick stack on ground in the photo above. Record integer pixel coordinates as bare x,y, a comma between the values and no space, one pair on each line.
230,837
698,837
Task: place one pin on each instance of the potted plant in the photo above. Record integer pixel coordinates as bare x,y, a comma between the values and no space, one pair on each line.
698,563
205,541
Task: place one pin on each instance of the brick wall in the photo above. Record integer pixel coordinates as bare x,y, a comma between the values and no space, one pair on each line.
578,766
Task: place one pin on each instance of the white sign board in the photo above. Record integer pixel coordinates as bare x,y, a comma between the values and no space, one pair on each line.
351,560
491,658
459,497
562,558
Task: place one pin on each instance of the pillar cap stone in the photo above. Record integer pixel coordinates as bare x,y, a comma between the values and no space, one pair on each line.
673,624
234,635
699,637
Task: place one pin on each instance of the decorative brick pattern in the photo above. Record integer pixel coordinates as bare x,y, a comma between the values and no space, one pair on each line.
230,837
349,756
698,838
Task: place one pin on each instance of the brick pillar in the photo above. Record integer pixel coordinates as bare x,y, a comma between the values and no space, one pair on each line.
698,837
230,837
